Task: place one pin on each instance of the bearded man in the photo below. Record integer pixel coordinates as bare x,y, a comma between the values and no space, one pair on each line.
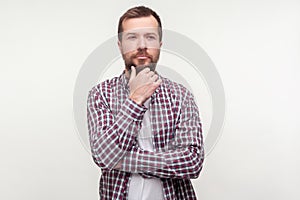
145,130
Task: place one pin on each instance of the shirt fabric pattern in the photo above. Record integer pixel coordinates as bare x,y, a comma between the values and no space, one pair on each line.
114,121
141,188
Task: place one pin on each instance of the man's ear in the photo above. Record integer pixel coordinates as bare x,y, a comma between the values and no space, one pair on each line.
120,46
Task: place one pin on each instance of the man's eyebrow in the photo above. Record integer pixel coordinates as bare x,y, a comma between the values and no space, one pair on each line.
136,33
151,33
128,33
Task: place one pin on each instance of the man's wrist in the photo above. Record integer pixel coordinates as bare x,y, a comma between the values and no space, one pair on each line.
138,101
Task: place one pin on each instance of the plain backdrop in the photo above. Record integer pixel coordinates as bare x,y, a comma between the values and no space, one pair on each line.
255,46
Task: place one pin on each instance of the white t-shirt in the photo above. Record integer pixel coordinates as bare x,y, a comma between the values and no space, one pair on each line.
145,188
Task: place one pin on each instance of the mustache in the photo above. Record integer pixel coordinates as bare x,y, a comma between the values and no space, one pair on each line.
142,53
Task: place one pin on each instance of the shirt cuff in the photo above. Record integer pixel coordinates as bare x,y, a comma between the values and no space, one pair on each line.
133,110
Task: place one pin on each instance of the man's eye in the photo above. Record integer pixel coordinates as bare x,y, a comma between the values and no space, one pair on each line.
151,37
132,37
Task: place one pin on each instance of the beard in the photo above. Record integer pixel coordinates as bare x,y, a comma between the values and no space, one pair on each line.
140,66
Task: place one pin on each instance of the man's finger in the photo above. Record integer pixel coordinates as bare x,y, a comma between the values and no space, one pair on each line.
133,73
158,82
145,70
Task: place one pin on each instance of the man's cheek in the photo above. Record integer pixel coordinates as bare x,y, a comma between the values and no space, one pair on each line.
129,48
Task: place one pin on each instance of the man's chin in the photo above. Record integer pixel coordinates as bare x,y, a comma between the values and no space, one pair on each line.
139,68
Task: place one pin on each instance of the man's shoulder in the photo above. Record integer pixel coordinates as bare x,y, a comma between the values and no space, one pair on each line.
106,86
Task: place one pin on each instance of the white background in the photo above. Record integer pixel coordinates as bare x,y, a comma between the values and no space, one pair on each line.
255,46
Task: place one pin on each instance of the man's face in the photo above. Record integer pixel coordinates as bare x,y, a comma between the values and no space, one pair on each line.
140,44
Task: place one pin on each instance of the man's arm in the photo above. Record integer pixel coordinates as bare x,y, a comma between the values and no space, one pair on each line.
186,158
111,137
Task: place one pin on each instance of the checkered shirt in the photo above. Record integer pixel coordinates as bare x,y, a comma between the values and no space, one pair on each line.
114,121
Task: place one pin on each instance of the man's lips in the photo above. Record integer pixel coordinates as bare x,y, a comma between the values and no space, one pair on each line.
142,57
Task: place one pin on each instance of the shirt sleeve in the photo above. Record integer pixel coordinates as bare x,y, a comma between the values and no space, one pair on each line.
184,160
111,136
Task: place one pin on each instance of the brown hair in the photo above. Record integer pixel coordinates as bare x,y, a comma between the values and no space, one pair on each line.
137,12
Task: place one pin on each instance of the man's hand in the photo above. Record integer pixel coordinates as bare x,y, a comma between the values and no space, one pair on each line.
143,85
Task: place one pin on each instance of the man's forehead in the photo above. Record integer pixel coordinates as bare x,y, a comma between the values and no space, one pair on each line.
144,30
140,23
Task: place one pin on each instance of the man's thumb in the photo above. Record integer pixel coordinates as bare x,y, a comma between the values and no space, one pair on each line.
133,73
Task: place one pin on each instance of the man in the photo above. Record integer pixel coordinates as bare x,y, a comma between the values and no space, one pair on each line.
145,131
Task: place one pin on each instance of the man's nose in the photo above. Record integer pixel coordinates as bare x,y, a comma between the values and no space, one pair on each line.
142,43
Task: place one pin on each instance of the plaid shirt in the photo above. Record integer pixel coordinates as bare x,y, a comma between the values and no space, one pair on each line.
114,121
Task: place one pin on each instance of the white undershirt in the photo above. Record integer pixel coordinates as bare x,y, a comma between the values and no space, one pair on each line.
145,188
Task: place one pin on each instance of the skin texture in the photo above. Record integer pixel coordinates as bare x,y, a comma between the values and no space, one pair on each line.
140,47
